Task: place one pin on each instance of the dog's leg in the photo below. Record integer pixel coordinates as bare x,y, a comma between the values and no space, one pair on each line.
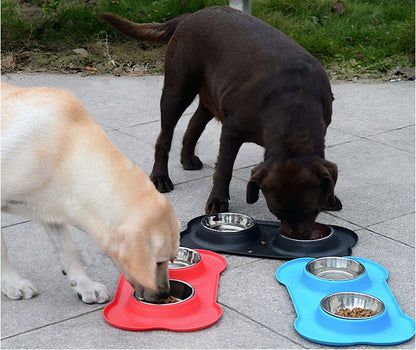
230,143
195,128
88,291
12,285
172,104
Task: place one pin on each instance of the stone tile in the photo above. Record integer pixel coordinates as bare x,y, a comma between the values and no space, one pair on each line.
33,257
375,182
117,102
403,139
232,331
8,220
399,261
361,109
400,229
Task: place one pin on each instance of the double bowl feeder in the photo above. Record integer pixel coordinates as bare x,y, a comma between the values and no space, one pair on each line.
193,277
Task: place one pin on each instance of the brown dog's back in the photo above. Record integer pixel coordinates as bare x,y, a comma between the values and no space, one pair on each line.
218,47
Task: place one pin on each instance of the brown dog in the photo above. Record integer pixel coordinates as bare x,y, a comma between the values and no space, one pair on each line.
264,88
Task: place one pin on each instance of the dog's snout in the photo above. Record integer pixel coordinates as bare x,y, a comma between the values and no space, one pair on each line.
152,296
296,230
165,294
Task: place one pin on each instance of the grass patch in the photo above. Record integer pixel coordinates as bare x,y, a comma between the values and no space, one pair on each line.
367,38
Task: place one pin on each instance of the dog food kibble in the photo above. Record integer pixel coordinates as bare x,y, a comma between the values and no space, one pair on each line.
316,234
356,312
169,300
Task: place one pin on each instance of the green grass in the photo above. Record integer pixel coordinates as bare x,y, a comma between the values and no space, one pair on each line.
371,38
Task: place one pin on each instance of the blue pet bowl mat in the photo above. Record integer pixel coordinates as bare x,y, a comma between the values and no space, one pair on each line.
306,291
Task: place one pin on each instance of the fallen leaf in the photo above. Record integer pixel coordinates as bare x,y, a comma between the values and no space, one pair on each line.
339,7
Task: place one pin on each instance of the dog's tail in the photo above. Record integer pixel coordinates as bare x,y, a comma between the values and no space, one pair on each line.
154,32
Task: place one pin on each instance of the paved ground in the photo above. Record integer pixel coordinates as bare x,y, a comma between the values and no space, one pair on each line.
372,141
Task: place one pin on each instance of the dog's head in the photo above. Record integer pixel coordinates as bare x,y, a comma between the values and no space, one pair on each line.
296,193
143,248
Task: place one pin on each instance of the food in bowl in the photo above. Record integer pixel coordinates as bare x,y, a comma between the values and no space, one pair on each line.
169,300
355,312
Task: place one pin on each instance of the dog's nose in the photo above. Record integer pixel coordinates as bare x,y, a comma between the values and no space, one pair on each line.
164,295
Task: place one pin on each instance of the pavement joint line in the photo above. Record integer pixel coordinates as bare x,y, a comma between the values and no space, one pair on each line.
16,224
136,125
192,180
389,238
144,123
396,129
261,324
397,217
125,132
52,324
367,228
369,139
253,261
391,146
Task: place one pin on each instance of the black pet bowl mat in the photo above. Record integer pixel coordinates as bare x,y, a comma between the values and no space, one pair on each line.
264,241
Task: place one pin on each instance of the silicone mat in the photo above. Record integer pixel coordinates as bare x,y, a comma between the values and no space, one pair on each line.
306,291
198,312
265,241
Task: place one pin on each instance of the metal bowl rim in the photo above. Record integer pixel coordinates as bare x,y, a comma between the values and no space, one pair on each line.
353,318
250,219
334,257
169,304
189,265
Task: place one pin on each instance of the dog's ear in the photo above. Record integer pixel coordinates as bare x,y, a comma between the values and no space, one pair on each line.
328,175
253,187
133,255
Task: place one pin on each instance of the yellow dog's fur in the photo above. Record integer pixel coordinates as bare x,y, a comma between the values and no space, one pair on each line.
59,168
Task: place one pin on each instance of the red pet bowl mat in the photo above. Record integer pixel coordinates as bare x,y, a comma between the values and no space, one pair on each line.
198,312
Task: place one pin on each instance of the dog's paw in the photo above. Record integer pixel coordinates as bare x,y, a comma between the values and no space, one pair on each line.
191,163
91,292
216,205
18,288
162,183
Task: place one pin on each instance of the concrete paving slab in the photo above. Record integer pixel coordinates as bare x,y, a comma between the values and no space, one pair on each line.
233,331
399,260
370,175
102,93
403,139
141,151
372,141
39,263
401,228
361,109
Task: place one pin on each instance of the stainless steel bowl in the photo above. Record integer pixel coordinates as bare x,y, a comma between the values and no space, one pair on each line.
184,258
227,222
178,289
335,268
334,302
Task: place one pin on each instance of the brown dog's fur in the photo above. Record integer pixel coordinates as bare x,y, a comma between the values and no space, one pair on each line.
264,88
